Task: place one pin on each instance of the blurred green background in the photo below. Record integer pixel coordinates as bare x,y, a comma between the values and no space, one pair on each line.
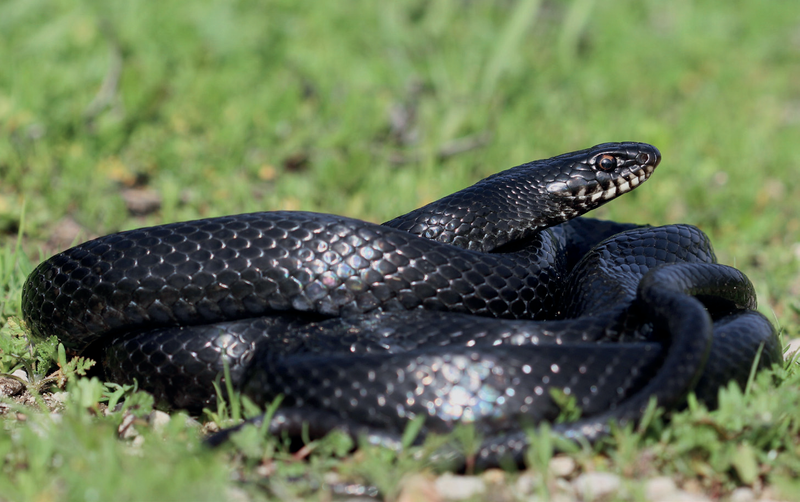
120,114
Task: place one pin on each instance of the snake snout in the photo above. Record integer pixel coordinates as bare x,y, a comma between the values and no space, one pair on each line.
649,156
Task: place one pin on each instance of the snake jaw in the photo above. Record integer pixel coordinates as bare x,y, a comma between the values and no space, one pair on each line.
603,187
597,183
626,182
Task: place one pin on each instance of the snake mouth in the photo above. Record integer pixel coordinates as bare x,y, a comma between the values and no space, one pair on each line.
604,186
622,184
595,184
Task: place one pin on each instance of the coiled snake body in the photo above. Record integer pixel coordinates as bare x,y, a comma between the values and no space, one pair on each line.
473,309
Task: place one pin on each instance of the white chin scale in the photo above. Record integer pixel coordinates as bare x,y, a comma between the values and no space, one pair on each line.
625,183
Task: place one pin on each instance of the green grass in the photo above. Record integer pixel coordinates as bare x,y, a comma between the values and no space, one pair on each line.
225,107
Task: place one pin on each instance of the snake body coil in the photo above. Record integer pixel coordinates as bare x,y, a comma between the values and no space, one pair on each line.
473,309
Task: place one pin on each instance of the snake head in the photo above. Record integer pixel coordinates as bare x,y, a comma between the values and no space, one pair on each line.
596,175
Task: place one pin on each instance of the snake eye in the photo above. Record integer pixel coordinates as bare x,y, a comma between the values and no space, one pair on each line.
607,162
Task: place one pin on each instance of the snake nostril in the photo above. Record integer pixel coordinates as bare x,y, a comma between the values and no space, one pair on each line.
643,158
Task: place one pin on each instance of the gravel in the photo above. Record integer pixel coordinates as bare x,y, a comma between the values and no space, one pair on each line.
596,485
453,487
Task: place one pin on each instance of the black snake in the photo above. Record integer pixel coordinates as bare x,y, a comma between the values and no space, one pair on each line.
477,308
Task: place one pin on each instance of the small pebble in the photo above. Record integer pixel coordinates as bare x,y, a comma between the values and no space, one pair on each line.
136,444
60,397
66,232
192,422
494,476
141,201
660,488
126,430
452,487
21,374
676,495
792,346
331,478
497,485
742,494
418,487
159,420
596,485
683,496
692,486
265,470
10,387
525,484
210,427
564,487
561,466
